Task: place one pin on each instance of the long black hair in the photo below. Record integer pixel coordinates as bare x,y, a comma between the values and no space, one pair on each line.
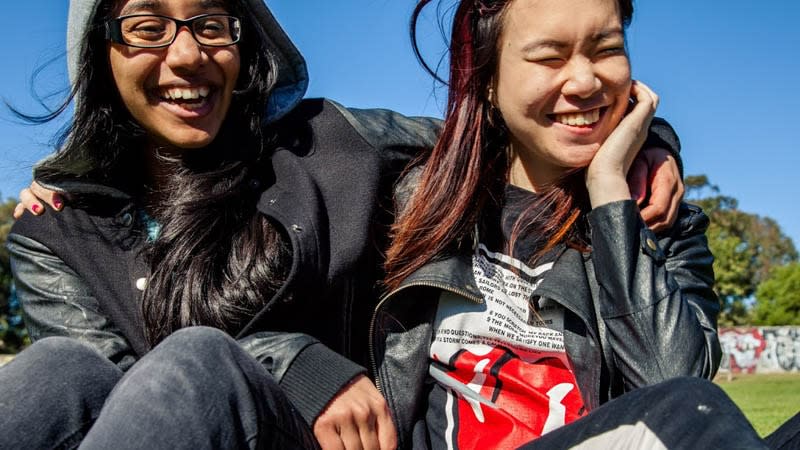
216,260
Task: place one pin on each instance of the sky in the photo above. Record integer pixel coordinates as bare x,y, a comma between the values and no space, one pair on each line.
727,73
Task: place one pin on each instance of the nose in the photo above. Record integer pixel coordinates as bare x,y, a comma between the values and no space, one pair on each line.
581,78
185,53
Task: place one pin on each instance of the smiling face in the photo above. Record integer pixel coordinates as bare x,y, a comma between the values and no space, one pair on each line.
179,94
562,83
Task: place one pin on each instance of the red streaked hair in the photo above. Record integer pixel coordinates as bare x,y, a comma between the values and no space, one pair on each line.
468,168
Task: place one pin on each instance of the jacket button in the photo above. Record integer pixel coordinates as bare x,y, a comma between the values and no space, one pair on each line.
141,284
651,244
297,228
127,219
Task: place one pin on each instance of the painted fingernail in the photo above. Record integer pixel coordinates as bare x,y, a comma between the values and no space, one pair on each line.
57,203
36,209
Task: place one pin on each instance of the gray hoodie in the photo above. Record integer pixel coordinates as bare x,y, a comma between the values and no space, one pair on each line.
292,73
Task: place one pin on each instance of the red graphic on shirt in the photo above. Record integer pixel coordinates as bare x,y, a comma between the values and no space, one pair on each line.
521,400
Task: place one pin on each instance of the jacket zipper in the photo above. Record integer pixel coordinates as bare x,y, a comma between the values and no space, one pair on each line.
382,304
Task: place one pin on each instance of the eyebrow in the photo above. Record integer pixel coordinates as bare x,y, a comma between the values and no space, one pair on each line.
559,45
156,5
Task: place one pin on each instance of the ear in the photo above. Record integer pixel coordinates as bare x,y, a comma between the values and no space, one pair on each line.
490,94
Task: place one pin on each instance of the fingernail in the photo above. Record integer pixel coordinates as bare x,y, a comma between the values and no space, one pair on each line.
57,203
36,209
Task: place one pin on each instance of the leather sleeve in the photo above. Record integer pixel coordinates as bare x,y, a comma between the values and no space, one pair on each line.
655,297
385,129
57,302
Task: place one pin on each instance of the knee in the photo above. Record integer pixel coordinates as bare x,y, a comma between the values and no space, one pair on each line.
703,394
203,364
69,356
197,341
79,368
199,351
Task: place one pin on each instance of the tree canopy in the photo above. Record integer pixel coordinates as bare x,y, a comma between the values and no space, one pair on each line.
778,298
12,330
746,248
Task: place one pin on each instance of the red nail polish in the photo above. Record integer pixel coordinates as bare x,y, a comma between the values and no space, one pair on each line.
36,209
58,204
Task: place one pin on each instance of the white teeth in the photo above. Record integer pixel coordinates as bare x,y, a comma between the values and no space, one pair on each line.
185,93
579,119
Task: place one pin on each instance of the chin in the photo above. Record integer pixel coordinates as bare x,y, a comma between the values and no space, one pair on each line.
192,140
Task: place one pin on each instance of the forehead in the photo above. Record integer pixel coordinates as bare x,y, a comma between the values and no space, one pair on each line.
546,16
167,6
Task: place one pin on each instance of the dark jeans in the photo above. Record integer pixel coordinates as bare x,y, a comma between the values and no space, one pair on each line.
196,390
683,413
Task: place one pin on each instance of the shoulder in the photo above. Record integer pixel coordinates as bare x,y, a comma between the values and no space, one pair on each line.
387,128
379,128
405,187
90,207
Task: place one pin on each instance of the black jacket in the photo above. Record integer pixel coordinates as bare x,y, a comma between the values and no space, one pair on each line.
640,309
79,272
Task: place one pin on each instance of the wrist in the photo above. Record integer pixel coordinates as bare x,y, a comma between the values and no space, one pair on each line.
606,188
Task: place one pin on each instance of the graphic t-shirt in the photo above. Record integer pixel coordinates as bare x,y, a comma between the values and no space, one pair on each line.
500,375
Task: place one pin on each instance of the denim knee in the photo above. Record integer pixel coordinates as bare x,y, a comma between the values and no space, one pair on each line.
70,359
204,343
203,354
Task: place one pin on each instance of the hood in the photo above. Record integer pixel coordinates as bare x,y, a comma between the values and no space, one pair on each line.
292,73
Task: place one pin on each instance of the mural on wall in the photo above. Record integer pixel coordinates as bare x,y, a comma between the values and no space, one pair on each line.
760,349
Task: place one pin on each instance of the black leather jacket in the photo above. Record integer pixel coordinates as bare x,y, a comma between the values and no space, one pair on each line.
639,309
78,272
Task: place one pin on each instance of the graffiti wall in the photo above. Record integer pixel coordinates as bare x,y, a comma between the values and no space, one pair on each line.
760,349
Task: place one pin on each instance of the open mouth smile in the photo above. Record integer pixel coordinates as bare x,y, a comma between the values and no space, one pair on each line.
187,98
579,119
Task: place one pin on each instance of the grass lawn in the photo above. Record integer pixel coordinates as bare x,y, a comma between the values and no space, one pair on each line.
767,400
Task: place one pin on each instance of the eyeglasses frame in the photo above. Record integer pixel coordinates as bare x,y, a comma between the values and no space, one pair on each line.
113,29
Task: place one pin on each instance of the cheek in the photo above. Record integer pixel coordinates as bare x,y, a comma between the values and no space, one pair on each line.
230,62
130,75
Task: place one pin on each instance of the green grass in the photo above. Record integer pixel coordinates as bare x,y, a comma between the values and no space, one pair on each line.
767,400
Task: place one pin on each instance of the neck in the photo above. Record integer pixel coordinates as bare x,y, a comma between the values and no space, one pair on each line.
532,173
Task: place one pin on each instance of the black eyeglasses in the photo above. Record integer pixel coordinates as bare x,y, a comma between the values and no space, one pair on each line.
154,31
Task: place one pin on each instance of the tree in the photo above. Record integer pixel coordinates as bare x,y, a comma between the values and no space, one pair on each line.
746,248
6,220
778,297
12,330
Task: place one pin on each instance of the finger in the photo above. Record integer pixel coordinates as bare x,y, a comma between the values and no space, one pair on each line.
30,202
659,213
666,194
387,433
363,419
19,210
637,179
368,432
350,436
52,198
328,438
644,94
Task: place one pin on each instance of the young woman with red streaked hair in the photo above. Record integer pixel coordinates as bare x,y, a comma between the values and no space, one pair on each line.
525,290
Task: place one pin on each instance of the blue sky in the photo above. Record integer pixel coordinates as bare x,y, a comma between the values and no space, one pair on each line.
727,73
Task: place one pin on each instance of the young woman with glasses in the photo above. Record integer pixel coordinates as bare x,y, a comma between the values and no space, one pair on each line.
210,281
